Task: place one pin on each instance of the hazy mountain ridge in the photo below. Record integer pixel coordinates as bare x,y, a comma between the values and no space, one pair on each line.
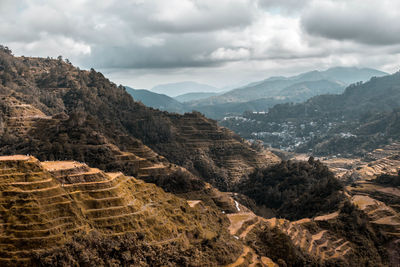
154,100
279,89
188,97
272,87
179,88
299,91
257,96
361,119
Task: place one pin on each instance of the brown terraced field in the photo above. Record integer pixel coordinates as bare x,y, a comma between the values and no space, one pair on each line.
44,204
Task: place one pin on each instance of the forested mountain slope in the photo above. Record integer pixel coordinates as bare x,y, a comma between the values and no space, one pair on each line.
83,112
364,117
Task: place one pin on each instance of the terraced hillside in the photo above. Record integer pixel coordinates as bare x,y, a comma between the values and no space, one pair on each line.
63,139
380,202
229,161
20,117
381,214
84,114
363,229
298,245
314,241
25,122
49,207
383,160
45,205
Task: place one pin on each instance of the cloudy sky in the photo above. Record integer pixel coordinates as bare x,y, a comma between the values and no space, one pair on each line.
143,43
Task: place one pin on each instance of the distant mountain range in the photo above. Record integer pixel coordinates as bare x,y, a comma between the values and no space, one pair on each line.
256,96
166,103
188,97
154,100
296,88
176,89
364,117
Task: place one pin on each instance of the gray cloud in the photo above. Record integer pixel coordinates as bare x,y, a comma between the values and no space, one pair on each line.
286,5
192,16
173,52
125,34
206,40
369,22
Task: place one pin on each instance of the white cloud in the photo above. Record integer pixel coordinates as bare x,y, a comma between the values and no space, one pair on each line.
56,45
230,54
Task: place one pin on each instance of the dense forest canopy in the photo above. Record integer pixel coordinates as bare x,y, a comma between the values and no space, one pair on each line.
294,190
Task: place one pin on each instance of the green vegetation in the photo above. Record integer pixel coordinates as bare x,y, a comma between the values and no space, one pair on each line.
388,180
130,249
274,244
177,182
368,241
294,190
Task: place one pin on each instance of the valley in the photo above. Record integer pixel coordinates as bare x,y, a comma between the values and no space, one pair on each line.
363,118
83,199
255,97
